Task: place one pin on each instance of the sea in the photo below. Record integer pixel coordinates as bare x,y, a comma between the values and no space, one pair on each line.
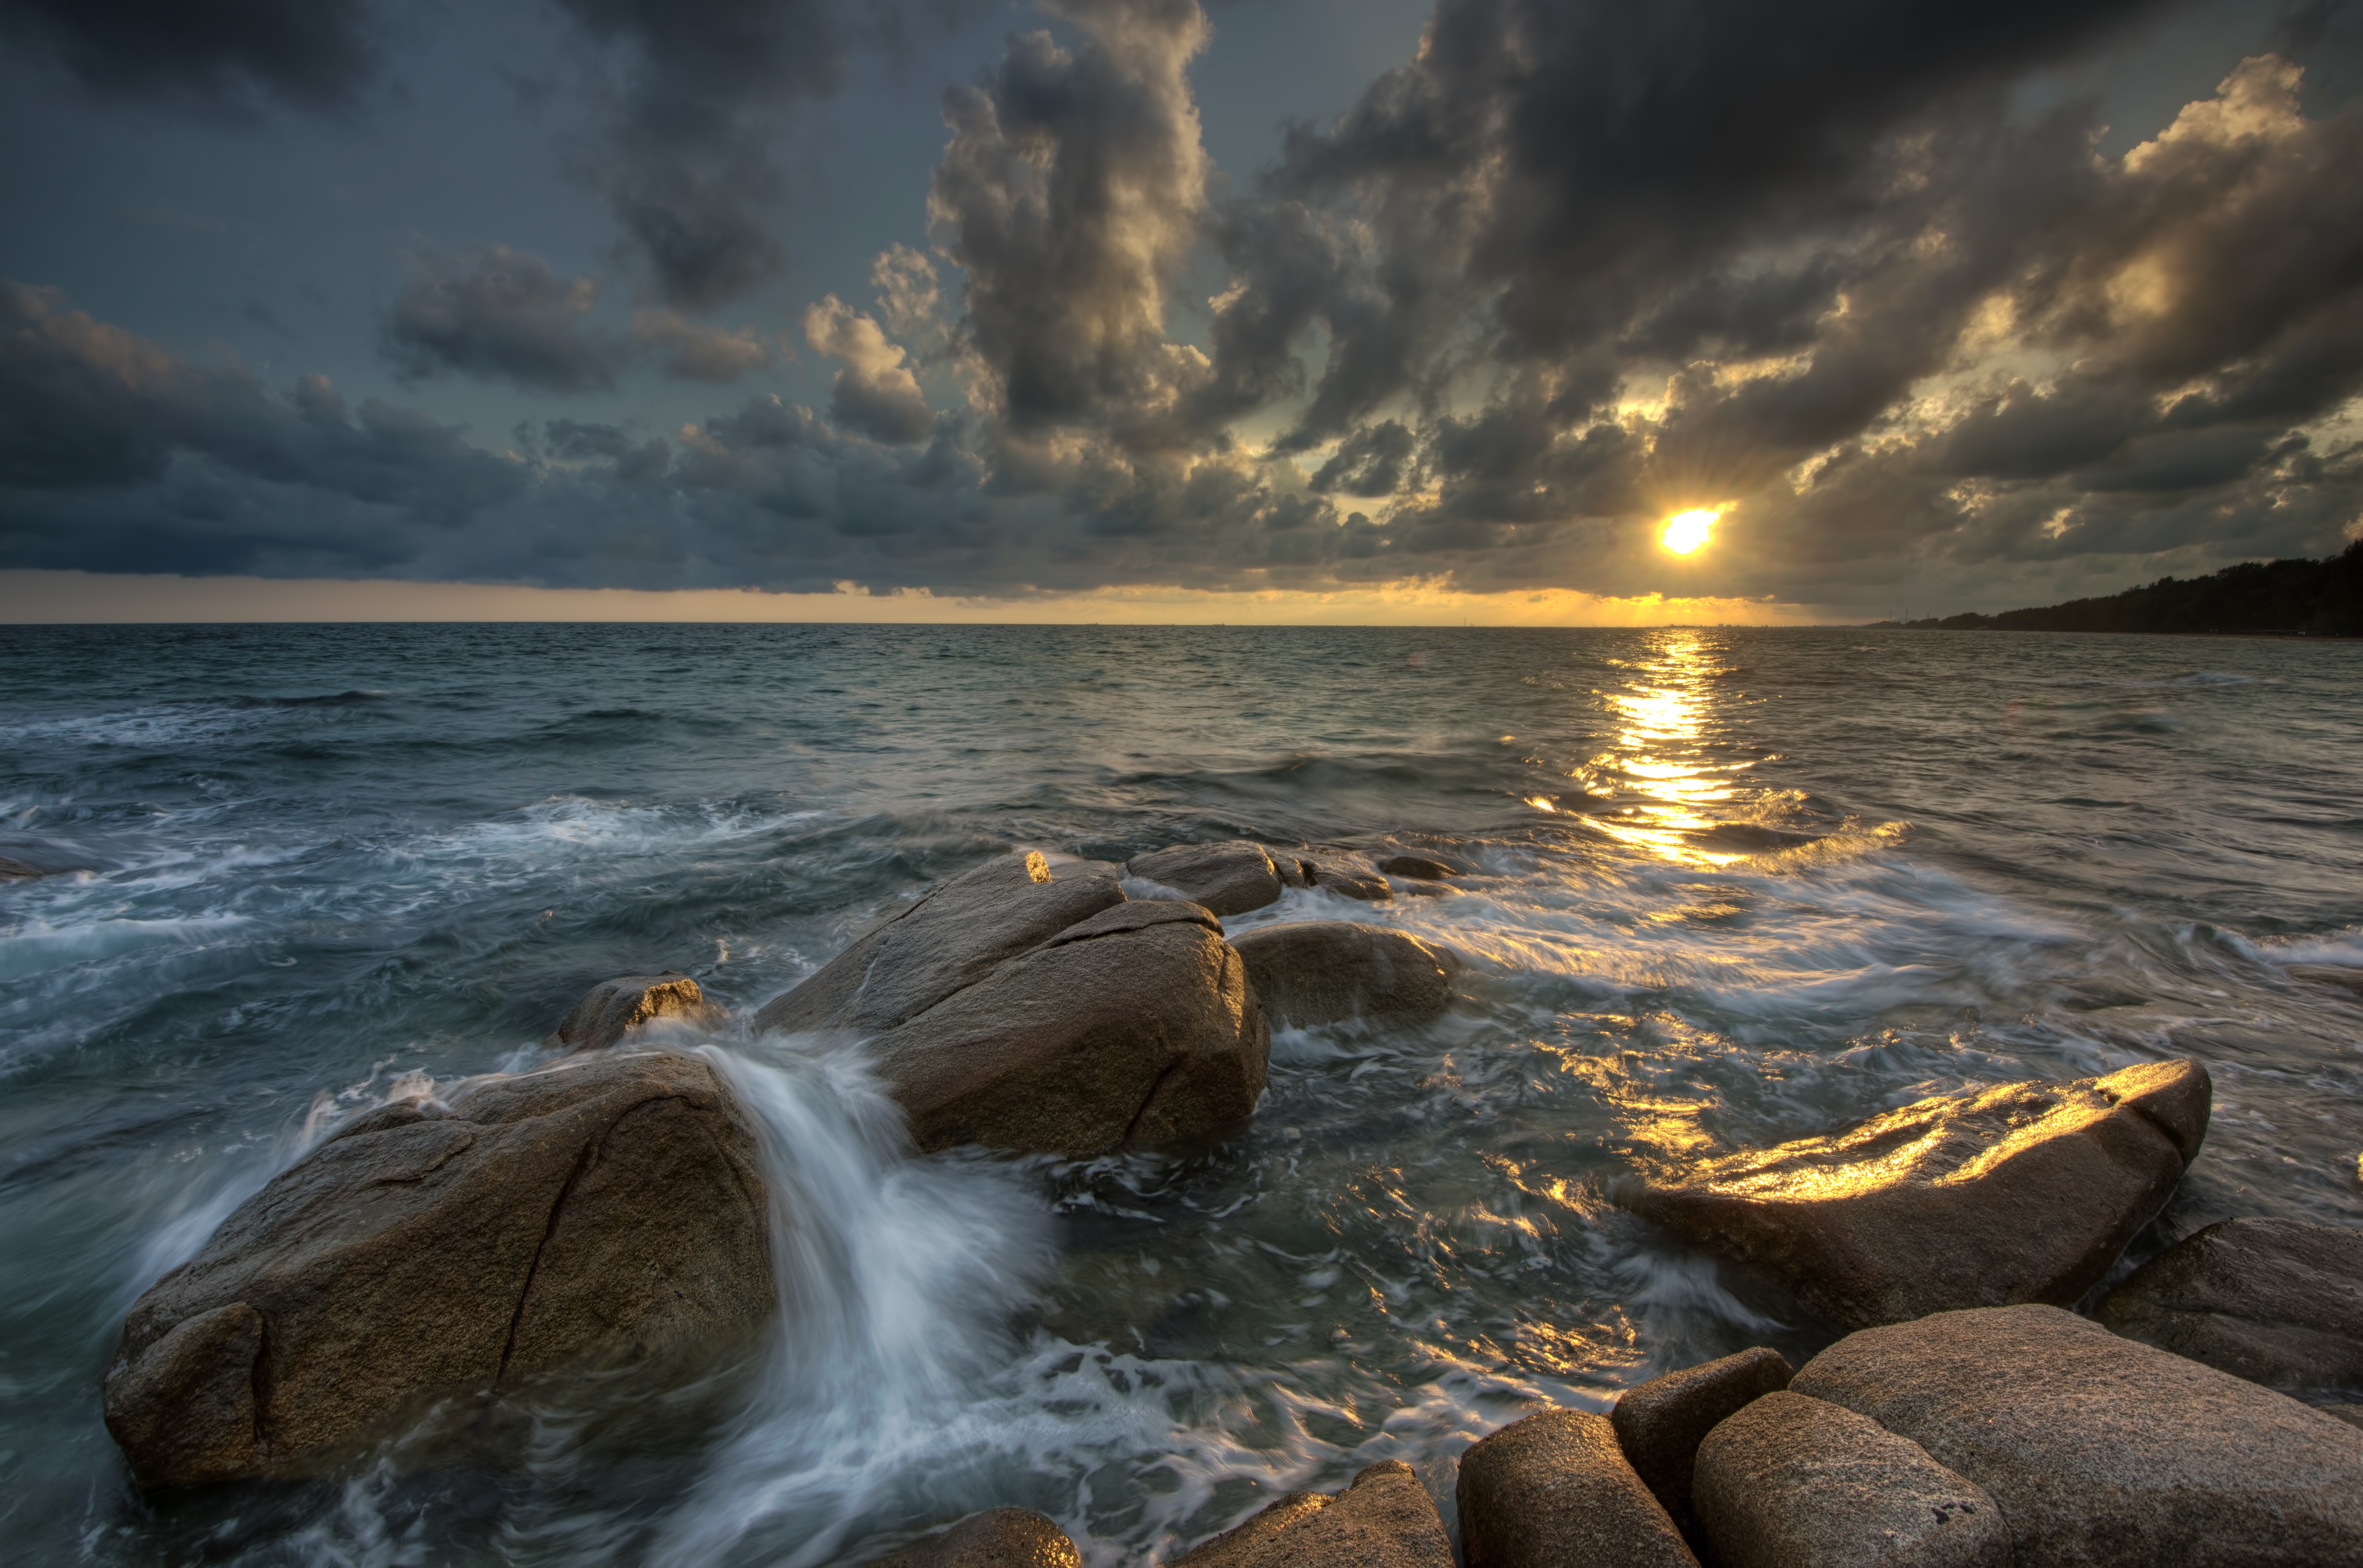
1727,886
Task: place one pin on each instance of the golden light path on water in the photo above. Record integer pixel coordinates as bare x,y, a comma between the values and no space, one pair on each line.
1659,766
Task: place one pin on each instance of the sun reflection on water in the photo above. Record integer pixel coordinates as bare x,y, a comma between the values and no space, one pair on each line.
1673,788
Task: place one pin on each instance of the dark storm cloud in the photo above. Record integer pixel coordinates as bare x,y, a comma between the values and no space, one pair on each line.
502,315
316,56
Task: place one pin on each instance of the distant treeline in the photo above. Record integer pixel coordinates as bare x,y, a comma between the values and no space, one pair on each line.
2321,597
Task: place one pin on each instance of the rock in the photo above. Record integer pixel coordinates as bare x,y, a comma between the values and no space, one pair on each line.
613,1009
2275,1301
1660,1424
1333,874
2023,1193
952,938
1294,869
2350,1414
1135,1025
2102,1450
605,1213
1792,1482
2328,975
17,870
1229,879
1319,972
997,1538
1383,1520
1554,1491
1417,868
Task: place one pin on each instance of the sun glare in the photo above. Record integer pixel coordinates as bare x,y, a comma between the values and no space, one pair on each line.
1687,531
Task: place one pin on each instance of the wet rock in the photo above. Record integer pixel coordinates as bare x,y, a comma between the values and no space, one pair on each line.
2102,1450
613,1009
606,1214
17,870
2023,1193
2275,1301
1135,1025
997,1538
1417,868
1347,878
2350,1414
1661,1423
1229,879
952,938
1792,1482
1555,1491
1320,972
1383,1520
1294,869
2328,975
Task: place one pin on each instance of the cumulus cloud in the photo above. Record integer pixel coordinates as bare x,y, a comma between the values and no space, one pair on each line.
875,393
498,315
314,56
691,351
1071,193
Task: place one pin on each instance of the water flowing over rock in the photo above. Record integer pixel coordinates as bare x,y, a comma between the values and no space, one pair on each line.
606,1214
997,1538
1228,879
1383,1520
1555,1489
2102,1450
17,870
1349,877
1322,971
1792,1482
2275,1301
950,940
1416,868
1660,1424
613,1009
2023,1193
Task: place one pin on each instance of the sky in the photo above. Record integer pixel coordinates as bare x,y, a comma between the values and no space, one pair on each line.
1250,310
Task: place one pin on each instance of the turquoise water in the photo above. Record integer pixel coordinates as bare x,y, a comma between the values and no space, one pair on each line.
1736,885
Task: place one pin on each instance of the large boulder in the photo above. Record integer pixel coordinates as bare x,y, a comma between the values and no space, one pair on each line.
2102,1450
1135,1025
997,1538
1384,1519
2275,1301
1660,1424
2024,1193
1792,1482
1320,972
950,940
614,1008
1554,1491
606,1214
1228,879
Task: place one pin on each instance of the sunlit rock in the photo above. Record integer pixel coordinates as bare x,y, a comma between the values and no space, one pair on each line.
997,1538
1135,1025
2102,1450
604,1215
1791,1481
2275,1301
1322,971
1416,868
2023,1193
948,940
1349,876
1228,878
1555,1490
1383,1520
613,1009
1660,1424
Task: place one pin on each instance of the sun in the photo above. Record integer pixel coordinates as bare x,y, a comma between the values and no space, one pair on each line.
1687,531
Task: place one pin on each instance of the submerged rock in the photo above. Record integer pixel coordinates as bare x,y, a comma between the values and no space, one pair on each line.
604,1214
1555,1490
613,1009
1660,1424
997,1538
1416,868
1228,879
2275,1301
2102,1450
2023,1193
1793,1482
17,870
1321,972
952,938
1383,1520
1135,1025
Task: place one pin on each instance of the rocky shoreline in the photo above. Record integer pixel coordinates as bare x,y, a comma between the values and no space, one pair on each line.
605,1217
